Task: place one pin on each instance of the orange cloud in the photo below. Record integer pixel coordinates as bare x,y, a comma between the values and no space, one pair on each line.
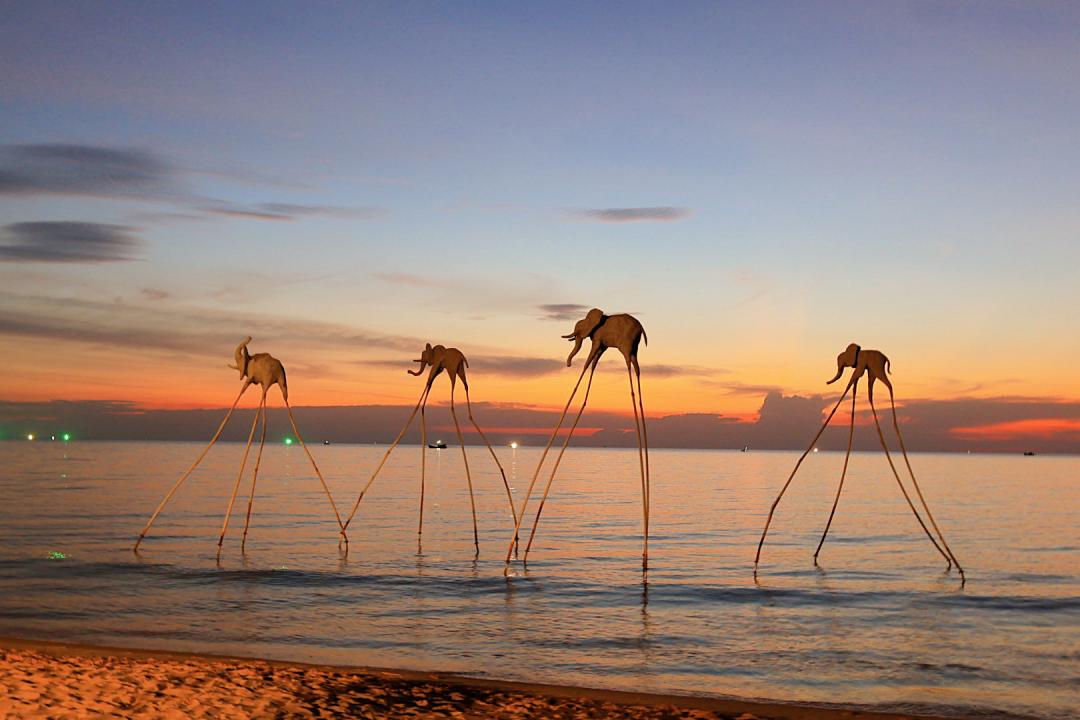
1048,428
583,431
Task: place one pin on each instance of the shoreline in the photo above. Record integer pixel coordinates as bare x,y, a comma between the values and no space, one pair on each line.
101,679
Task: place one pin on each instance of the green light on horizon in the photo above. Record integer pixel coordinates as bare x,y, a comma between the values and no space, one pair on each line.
288,441
66,436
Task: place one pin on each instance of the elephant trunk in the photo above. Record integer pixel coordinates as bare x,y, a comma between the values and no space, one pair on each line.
419,370
576,339
840,365
242,356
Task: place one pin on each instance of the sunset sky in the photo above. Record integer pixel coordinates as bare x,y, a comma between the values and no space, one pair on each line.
759,183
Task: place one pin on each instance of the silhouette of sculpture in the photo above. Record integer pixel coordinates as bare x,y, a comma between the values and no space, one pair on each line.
451,360
875,365
263,370
625,333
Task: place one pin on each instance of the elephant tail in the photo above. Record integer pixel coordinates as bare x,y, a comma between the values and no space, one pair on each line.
644,336
888,366
284,386
465,360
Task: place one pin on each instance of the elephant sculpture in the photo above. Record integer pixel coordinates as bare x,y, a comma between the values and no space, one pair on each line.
264,370
874,365
453,362
624,333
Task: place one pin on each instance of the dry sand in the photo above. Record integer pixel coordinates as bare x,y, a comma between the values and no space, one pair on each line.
53,680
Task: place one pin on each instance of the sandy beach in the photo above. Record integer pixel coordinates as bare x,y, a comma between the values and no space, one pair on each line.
55,680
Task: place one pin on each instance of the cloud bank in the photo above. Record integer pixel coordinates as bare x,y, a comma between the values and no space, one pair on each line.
783,423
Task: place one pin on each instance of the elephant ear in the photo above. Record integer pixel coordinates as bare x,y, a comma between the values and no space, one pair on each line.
592,321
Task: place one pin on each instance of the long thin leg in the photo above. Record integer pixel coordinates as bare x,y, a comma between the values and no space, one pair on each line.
791,477
191,469
384,458
641,465
885,447
326,488
240,475
558,460
506,484
645,435
468,475
254,477
543,456
423,460
918,491
843,473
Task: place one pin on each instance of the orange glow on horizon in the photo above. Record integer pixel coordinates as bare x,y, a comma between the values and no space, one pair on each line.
1039,428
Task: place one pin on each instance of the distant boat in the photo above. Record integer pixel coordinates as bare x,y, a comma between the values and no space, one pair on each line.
325,442
1029,453
745,448
437,445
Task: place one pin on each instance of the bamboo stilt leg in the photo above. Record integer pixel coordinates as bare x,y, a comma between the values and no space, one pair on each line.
532,483
468,475
384,458
791,477
645,435
506,484
240,475
254,476
423,461
558,460
915,483
641,465
191,469
903,490
326,488
843,473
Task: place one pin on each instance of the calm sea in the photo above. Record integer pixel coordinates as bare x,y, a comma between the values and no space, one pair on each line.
878,624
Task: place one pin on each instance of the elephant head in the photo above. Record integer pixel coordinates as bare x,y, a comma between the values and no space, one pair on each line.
242,357
583,329
427,357
846,359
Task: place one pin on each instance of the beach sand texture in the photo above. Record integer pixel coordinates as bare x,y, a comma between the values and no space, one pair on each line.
46,680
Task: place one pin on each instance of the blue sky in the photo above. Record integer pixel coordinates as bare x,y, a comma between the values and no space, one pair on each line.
796,176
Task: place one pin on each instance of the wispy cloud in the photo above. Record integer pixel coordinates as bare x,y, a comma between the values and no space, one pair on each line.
563,311
662,213
67,242
739,389
291,211
400,278
135,173
66,169
166,328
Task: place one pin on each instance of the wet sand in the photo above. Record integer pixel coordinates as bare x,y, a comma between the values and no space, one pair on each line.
56,680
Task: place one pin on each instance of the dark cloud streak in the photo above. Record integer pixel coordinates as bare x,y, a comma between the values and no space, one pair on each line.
563,311
65,169
67,242
634,214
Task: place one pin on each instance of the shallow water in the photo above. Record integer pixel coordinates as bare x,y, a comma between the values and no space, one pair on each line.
878,624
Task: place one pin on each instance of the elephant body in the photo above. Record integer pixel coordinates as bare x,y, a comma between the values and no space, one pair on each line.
873,363
262,369
620,331
442,358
